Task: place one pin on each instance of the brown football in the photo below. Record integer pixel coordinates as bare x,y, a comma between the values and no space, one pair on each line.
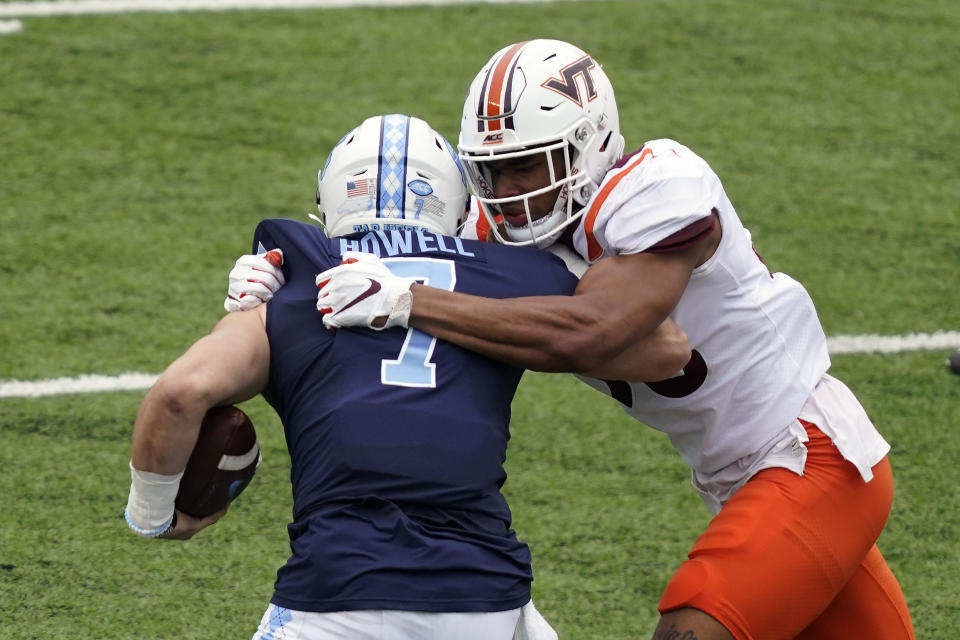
223,462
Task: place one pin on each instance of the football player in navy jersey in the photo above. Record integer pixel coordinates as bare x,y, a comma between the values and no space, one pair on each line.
397,440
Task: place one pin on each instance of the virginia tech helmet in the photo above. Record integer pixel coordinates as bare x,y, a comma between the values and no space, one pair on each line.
392,171
532,98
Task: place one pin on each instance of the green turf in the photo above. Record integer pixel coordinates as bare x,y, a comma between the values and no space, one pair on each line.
137,152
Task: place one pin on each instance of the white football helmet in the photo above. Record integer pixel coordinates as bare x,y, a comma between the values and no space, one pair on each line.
532,98
392,170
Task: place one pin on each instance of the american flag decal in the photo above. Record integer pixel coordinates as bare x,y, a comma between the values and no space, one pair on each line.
358,187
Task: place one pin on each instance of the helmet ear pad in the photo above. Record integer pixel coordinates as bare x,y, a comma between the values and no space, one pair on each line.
542,93
392,171
595,155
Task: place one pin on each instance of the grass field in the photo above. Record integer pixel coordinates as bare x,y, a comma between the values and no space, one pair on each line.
137,152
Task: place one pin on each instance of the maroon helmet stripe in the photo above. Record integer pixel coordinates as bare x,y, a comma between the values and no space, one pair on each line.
504,67
508,99
483,92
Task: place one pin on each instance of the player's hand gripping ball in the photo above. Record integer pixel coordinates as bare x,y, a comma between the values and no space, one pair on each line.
222,464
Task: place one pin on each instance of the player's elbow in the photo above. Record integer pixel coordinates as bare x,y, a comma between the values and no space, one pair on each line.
668,351
181,394
664,364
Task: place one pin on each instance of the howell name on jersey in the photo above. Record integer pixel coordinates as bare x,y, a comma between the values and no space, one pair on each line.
389,240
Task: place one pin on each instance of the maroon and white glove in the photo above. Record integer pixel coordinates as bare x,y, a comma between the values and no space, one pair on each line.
253,280
363,292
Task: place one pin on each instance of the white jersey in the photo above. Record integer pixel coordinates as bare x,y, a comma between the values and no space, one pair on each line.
759,350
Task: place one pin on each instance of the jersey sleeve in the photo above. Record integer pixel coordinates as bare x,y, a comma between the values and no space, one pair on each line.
659,200
304,246
265,237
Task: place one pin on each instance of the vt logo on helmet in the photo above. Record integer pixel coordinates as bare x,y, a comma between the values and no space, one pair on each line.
540,129
568,86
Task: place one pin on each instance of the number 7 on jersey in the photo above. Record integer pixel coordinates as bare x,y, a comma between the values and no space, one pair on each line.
412,368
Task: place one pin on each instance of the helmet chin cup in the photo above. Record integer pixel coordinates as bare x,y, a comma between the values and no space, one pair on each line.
540,233
545,230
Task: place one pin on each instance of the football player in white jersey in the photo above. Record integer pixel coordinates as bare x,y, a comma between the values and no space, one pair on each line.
781,452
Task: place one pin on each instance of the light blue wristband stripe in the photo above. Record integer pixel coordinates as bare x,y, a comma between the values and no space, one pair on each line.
149,533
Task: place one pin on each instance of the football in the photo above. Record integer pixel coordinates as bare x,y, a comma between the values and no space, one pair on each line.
222,464
953,362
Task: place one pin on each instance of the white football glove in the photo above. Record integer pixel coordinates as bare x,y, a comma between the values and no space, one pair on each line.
253,280
363,292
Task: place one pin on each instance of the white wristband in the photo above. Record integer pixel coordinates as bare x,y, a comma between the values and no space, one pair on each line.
150,506
400,313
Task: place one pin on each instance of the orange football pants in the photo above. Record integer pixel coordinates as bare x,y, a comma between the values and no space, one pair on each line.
795,558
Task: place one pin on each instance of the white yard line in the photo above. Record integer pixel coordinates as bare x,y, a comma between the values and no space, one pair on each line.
837,345
89,7
86,7
80,384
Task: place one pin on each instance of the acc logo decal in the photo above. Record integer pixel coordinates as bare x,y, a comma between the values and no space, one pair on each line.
568,87
420,187
493,138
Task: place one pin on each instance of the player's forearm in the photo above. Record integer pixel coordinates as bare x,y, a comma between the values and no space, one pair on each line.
162,441
543,333
231,364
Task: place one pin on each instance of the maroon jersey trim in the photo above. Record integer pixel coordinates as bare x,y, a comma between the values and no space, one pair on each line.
688,236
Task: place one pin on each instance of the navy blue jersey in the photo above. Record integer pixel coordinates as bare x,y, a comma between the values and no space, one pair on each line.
397,440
